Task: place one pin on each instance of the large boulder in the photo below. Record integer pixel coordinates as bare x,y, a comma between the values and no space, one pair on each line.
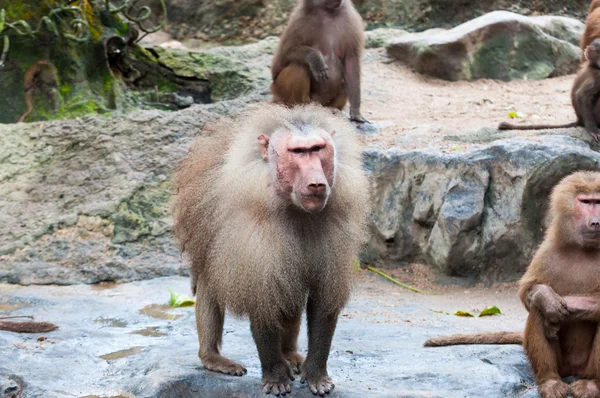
499,45
477,213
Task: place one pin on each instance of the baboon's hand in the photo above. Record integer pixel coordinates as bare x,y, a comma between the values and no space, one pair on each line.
593,131
355,116
318,67
581,307
552,307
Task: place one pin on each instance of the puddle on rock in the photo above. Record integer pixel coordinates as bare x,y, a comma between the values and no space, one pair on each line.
159,311
122,353
104,285
149,332
9,307
111,322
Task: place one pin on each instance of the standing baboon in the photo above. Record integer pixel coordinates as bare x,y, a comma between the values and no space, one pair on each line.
271,211
319,56
561,291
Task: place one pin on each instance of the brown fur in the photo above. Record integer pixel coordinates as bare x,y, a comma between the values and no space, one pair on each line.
319,57
484,338
255,255
592,25
566,269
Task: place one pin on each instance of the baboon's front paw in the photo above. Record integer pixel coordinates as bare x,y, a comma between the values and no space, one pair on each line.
319,383
276,381
585,389
218,363
553,389
295,360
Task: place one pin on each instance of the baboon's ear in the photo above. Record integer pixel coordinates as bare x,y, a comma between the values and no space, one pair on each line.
263,144
332,133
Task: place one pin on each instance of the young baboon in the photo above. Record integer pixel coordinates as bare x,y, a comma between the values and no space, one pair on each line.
271,212
41,78
584,96
592,25
561,291
319,56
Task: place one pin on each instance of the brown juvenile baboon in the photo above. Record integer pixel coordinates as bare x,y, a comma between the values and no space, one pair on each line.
41,77
592,25
584,96
271,212
561,291
319,56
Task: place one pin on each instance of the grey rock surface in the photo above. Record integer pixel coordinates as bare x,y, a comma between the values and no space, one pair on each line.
88,200
473,213
499,45
123,340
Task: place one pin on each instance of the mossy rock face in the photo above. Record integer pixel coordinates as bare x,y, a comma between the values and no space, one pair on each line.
83,83
500,45
67,67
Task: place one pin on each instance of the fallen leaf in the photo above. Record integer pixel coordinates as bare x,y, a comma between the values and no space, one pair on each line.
493,310
464,313
180,300
516,115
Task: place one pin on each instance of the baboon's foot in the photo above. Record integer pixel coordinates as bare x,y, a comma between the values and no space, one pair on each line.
295,360
585,389
276,380
319,382
218,363
553,388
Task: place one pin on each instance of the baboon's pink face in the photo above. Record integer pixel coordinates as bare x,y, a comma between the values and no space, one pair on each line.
303,166
587,219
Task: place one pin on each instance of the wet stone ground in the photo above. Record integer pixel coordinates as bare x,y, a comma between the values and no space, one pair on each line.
124,341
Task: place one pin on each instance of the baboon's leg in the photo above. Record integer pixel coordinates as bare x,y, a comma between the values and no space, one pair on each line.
289,343
321,327
276,371
292,85
209,323
544,356
589,386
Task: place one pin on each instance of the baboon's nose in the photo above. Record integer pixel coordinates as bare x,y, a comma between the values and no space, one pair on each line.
595,223
317,188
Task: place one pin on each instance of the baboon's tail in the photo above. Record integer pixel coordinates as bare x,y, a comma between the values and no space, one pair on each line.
508,126
481,338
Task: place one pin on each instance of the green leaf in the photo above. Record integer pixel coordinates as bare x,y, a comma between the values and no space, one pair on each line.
464,313
516,115
438,311
493,310
357,265
180,300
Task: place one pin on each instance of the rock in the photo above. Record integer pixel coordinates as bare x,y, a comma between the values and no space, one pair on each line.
123,340
499,45
381,37
477,213
243,19
88,200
